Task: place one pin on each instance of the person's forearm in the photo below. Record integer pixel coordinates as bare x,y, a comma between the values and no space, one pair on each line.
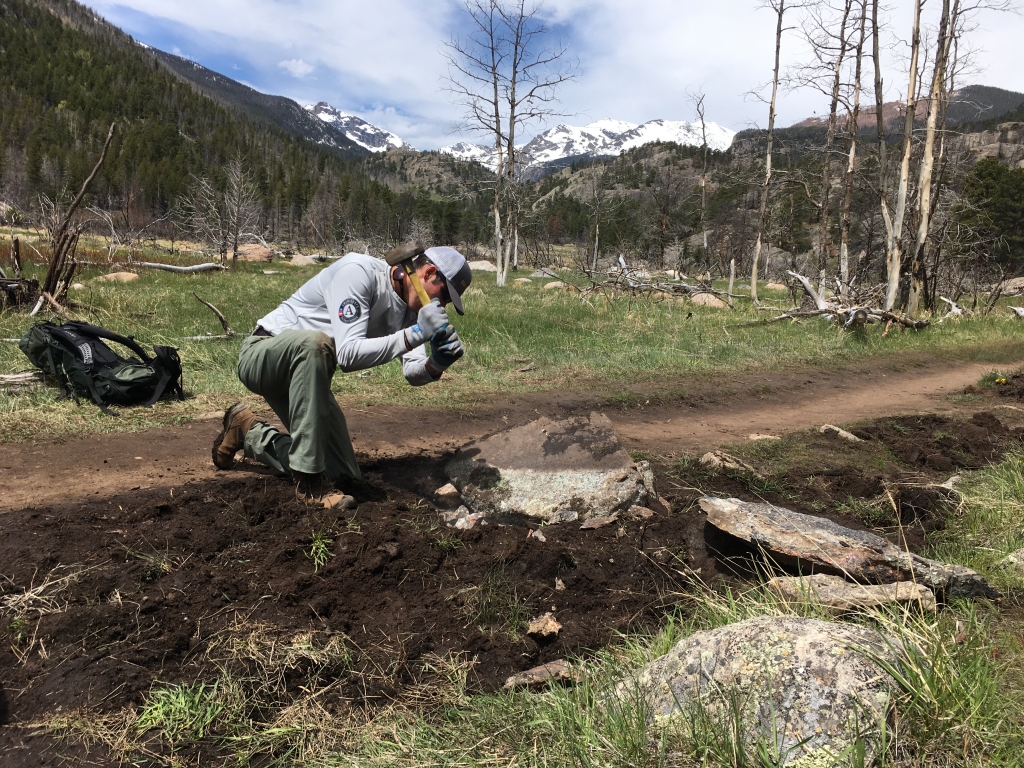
360,354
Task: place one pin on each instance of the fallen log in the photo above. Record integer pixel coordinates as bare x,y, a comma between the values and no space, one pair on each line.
849,317
228,333
180,270
15,381
219,337
819,300
17,291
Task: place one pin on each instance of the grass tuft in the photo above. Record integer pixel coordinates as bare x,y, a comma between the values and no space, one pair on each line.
495,605
320,548
180,713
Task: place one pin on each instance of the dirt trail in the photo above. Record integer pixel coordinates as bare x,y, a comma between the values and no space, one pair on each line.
709,414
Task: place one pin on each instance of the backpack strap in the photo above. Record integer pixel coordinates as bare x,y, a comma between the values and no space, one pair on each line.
165,377
91,385
103,333
169,364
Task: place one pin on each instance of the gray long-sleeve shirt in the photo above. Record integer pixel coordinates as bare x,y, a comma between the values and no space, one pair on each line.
354,302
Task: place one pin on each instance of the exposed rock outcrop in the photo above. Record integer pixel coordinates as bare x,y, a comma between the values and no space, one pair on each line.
805,688
839,595
815,543
549,469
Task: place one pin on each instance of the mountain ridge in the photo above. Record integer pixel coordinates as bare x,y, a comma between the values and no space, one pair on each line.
969,104
277,110
606,137
358,131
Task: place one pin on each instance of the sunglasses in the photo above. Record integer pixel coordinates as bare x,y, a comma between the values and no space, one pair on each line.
445,296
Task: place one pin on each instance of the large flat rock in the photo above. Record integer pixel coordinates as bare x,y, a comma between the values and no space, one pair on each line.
839,595
805,689
815,543
546,466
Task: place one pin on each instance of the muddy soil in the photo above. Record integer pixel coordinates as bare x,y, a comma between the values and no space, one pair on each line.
891,482
161,577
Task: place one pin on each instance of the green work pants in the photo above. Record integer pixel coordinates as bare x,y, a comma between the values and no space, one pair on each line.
292,372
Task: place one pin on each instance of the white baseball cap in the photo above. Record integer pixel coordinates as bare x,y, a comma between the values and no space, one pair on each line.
456,271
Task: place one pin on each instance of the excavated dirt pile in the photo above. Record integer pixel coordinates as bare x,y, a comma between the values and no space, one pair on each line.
133,590
107,599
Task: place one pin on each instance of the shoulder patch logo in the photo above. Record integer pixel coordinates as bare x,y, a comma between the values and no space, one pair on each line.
349,311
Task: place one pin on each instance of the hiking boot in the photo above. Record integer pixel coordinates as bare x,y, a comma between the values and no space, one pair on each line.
319,489
238,420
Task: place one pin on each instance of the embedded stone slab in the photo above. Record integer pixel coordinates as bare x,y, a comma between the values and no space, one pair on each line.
538,676
708,300
839,595
1014,562
119,277
792,538
548,469
807,688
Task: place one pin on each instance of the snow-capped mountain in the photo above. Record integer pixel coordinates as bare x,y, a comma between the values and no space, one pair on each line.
600,138
358,130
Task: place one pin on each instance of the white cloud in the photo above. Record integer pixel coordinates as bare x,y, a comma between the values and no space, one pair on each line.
638,60
296,67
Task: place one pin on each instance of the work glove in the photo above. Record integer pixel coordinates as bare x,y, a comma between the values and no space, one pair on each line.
445,348
431,319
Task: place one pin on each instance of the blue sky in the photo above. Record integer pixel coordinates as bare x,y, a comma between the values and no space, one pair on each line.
638,59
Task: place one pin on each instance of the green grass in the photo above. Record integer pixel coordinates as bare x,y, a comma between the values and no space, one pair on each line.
495,605
320,548
180,713
518,339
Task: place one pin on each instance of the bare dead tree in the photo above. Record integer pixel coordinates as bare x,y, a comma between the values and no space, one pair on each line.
202,215
779,6
852,125
504,78
698,105
64,232
224,219
601,204
829,44
953,16
883,186
951,26
242,207
475,66
893,250
924,181
125,227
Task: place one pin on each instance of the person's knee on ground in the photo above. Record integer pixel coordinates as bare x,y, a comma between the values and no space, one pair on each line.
238,420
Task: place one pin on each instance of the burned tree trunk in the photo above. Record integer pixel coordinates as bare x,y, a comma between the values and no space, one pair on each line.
893,242
780,9
824,241
64,235
851,164
924,187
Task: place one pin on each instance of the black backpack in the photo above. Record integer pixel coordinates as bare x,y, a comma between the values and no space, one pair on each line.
75,355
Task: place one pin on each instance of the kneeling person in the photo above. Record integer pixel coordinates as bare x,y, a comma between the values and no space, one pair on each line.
356,314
